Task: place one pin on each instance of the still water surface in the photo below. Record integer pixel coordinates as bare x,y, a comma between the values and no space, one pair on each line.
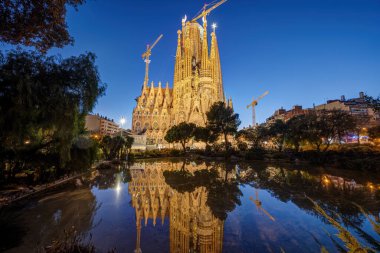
188,206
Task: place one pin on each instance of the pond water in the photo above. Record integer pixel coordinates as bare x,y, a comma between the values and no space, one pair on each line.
196,206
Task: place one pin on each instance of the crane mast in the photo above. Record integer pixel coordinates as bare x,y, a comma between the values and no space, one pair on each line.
146,56
259,206
254,104
253,116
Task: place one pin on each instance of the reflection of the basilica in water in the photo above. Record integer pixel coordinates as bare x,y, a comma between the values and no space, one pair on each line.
193,227
196,198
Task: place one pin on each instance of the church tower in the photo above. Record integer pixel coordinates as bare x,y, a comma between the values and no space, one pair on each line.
197,74
197,84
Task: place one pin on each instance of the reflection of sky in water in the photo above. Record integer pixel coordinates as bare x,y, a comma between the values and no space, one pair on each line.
117,225
246,229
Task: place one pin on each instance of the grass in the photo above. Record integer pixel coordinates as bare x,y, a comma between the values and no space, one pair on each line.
351,244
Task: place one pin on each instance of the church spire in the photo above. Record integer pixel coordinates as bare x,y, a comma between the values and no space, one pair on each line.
178,59
167,100
204,46
230,105
188,52
138,237
215,63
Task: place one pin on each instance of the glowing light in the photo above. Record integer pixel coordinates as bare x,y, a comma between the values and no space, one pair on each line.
27,142
118,188
214,26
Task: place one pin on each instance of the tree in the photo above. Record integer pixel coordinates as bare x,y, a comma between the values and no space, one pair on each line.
254,136
115,147
181,133
38,23
334,124
318,129
278,131
105,145
296,131
44,101
129,142
222,120
344,123
205,135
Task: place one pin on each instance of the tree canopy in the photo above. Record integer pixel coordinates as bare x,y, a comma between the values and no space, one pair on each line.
43,100
181,133
37,23
204,134
278,131
254,135
296,129
113,147
222,120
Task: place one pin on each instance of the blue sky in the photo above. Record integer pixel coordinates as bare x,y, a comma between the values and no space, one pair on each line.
302,51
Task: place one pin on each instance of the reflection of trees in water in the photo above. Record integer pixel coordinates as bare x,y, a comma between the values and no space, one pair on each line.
295,184
192,194
108,178
223,192
47,219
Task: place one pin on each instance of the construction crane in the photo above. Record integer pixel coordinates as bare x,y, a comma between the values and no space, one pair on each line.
259,206
254,104
205,11
146,56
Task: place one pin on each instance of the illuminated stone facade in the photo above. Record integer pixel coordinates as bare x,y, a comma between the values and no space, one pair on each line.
193,227
197,85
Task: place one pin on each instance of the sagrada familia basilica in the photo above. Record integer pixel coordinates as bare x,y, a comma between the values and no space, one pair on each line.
197,85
